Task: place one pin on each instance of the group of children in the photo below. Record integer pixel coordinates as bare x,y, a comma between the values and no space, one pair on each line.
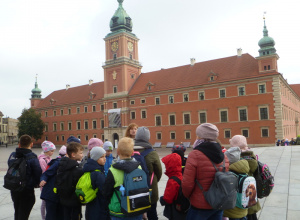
58,177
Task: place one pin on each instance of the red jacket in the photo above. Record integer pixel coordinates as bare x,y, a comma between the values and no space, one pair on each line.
173,168
199,166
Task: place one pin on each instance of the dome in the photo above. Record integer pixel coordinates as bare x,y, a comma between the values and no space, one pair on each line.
121,20
266,43
36,92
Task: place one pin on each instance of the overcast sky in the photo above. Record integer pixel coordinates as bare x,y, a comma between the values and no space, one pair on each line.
62,40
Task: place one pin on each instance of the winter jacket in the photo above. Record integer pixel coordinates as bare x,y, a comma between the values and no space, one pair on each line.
153,165
251,159
33,169
199,166
238,167
173,168
68,165
44,160
49,176
109,160
113,182
98,208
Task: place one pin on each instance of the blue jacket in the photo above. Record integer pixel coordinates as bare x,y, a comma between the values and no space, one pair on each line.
50,176
33,169
98,208
108,163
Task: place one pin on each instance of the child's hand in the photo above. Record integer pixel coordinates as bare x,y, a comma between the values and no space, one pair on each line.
43,183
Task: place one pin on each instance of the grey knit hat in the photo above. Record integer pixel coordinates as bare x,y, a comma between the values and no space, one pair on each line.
233,154
142,133
207,131
108,145
96,153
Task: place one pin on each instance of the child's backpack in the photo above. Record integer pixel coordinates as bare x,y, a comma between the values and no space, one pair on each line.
15,178
222,193
84,189
264,180
135,198
182,204
140,157
247,193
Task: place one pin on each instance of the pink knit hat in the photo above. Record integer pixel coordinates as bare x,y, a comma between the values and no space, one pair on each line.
207,131
94,142
238,141
63,150
48,146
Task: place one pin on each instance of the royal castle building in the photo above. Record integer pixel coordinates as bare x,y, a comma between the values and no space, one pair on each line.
240,94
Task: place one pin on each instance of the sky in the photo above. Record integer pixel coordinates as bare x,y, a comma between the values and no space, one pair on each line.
62,40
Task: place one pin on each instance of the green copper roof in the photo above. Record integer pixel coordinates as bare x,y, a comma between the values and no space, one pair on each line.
120,20
266,44
36,92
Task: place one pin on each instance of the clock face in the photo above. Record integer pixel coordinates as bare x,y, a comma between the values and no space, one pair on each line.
114,46
130,46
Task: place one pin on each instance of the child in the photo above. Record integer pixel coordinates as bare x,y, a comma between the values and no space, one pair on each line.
24,200
173,168
108,147
44,158
68,174
180,149
98,208
115,178
93,142
241,142
62,151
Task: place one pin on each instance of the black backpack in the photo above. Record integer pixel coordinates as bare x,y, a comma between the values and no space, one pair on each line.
63,182
264,180
182,204
15,178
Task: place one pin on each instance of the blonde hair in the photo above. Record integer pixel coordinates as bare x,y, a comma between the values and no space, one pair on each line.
127,132
125,147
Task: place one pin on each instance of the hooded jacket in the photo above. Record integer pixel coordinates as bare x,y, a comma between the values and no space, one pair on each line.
153,165
65,166
98,208
199,166
238,167
33,169
44,160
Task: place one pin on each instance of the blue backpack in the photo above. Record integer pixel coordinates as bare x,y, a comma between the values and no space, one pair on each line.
134,195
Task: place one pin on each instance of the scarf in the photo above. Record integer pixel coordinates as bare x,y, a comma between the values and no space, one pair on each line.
212,150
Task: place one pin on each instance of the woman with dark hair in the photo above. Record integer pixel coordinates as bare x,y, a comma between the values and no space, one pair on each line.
131,130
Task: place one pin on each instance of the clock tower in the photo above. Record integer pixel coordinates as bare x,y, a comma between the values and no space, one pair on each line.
122,66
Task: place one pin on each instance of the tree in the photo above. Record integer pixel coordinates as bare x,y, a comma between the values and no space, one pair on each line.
30,123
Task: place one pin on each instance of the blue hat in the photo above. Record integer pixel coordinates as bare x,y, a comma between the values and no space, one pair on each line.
73,139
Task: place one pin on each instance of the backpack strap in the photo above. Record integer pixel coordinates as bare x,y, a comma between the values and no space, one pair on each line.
176,179
146,152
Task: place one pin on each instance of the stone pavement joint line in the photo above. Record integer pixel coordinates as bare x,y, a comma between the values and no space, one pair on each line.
282,204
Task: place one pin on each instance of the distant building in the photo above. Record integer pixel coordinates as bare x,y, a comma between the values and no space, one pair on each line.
12,129
240,94
3,130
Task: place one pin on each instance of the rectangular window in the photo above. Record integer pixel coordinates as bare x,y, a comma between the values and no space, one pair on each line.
86,125
86,137
132,102
171,99
94,124
202,116
132,114
94,108
262,88
69,111
54,127
223,115
173,135
102,123
201,95
46,138
185,97
78,136
263,113
172,120
158,120
245,132
102,107
61,112
115,89
157,100
57,138
227,134
187,120
144,115
158,135
243,114
78,110
143,101
95,136
46,127
62,127
102,137
46,114
85,109
222,93
187,135
54,113
78,125
63,138
69,126
115,105
265,132
241,91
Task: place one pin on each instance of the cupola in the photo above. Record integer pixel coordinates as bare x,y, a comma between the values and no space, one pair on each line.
36,92
266,43
121,20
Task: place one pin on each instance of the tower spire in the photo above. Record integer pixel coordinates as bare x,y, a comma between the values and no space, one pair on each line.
121,20
36,92
266,43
